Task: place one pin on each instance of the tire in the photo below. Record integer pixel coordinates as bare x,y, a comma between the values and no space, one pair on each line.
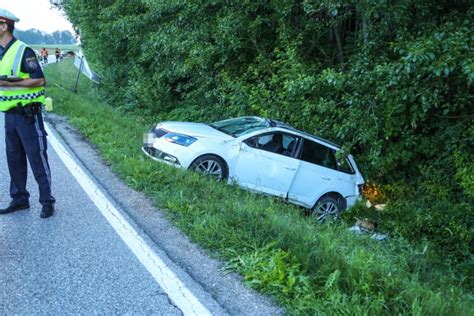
326,207
212,166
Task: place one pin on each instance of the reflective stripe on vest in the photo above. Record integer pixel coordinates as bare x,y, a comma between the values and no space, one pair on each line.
10,65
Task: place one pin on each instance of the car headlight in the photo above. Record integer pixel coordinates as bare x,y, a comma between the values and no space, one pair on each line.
179,139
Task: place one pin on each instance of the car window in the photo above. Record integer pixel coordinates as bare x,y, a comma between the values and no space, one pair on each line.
263,140
318,154
344,165
278,142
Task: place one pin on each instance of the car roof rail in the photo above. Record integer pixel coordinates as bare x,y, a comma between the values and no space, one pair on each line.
274,123
291,128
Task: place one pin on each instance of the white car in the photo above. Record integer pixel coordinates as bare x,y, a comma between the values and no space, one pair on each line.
262,155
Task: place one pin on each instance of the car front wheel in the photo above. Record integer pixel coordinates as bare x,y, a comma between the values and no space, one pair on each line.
326,207
210,165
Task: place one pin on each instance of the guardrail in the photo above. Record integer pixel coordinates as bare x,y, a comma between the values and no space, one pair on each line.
81,64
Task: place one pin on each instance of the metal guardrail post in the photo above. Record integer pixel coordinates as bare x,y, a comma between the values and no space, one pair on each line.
78,73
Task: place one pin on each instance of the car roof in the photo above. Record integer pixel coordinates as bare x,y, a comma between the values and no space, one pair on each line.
274,123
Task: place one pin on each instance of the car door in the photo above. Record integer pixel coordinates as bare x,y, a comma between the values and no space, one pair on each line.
265,163
317,174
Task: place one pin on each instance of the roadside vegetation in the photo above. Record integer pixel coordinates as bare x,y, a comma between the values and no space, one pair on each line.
307,267
34,36
391,81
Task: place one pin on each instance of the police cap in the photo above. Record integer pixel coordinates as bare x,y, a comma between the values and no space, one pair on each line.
8,17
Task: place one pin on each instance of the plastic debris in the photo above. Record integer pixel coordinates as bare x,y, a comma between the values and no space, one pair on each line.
365,226
380,237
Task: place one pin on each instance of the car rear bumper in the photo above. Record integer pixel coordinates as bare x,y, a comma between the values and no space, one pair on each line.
351,200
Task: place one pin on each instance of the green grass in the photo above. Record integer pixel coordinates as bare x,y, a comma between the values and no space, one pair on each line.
308,268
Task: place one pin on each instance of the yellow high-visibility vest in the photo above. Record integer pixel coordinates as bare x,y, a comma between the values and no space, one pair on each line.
10,65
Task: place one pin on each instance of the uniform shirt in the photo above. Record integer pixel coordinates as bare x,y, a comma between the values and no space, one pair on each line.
29,62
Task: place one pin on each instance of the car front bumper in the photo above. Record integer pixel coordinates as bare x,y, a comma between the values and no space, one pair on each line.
161,156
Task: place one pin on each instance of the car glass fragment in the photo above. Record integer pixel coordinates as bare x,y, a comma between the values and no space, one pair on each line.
248,129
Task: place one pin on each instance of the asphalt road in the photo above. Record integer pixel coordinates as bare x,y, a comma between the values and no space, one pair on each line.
75,263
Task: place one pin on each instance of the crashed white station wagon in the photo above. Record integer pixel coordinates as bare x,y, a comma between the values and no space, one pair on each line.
262,155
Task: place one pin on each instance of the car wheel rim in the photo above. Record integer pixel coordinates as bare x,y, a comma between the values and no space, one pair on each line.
211,168
325,210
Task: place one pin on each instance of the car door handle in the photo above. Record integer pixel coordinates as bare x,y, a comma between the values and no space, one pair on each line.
290,168
325,178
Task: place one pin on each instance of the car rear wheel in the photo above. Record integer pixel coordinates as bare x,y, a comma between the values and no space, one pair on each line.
326,207
210,165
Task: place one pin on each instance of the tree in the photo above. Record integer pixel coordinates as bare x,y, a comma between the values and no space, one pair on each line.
34,36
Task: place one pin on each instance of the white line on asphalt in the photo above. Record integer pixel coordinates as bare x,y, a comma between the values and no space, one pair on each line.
169,282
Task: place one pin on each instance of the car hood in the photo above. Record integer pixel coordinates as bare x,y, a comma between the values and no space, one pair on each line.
194,129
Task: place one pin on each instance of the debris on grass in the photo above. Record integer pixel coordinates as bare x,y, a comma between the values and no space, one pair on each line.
366,226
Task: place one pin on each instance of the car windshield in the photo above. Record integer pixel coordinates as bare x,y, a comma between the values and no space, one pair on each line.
241,125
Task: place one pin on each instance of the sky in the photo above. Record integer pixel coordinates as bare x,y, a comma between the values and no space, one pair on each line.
37,14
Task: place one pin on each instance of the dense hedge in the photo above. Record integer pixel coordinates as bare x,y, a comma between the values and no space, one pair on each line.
392,81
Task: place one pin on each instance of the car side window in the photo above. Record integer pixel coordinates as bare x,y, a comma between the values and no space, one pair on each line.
252,142
344,165
318,154
277,142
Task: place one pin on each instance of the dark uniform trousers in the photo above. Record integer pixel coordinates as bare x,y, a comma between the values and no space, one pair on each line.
26,139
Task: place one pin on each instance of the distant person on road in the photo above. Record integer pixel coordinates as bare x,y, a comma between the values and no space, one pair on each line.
44,55
57,52
21,96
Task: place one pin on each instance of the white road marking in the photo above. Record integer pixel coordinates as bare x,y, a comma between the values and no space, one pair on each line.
169,282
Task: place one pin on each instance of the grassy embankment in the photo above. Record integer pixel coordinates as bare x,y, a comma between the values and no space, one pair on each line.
308,268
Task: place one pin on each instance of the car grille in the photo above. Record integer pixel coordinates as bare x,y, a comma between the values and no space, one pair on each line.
159,155
152,151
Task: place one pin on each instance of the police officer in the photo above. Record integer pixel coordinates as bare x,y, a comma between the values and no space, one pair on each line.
21,96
